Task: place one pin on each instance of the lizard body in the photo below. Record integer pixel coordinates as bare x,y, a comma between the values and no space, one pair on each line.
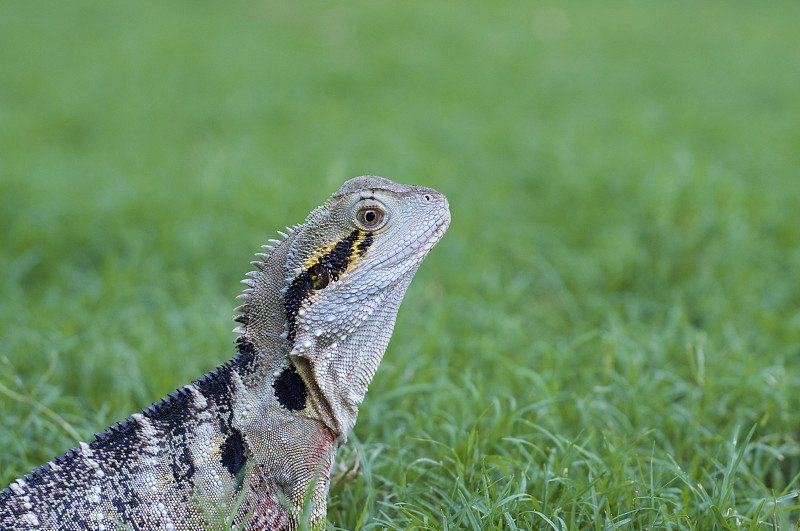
262,429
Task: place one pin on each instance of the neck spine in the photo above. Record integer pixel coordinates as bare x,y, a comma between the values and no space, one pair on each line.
262,314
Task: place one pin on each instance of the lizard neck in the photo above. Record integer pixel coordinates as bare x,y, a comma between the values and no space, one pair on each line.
273,373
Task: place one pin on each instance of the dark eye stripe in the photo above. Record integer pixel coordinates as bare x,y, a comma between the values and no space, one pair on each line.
366,242
335,262
337,259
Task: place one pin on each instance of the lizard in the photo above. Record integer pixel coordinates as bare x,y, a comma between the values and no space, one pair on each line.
256,438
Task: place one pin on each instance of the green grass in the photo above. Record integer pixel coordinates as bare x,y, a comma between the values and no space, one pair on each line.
608,337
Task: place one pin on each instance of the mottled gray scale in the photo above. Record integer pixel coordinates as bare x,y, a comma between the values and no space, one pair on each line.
317,316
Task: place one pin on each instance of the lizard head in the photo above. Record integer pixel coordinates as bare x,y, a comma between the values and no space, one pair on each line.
343,274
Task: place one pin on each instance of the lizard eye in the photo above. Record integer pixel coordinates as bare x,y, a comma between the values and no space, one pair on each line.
370,217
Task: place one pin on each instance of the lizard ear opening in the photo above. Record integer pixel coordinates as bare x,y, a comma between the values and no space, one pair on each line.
319,276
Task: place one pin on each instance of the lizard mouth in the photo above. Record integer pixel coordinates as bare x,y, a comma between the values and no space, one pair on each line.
433,235
441,225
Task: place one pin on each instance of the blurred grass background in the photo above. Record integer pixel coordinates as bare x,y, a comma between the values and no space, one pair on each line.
613,311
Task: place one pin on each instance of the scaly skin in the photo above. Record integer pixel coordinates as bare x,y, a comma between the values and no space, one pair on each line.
263,428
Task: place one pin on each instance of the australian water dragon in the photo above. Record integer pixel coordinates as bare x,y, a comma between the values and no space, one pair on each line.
262,429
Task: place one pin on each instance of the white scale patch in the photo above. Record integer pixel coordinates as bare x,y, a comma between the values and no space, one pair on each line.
205,455
148,430
94,496
85,449
30,518
198,399
243,401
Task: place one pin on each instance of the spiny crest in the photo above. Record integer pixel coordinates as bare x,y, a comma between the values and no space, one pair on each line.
247,294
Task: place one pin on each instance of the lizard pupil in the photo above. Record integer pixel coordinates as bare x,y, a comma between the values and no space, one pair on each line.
369,218
318,274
